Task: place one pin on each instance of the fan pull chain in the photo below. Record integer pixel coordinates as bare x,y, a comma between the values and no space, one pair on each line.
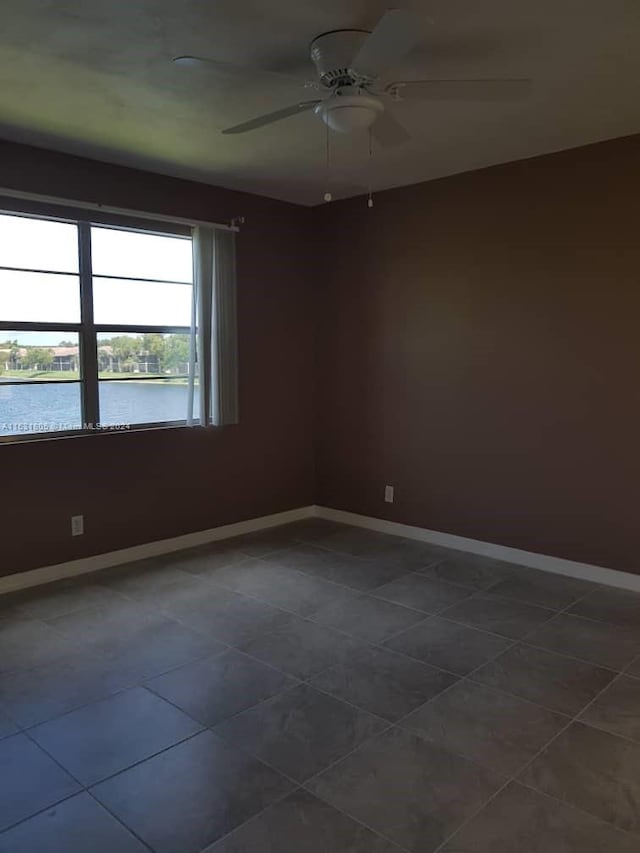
370,170
328,196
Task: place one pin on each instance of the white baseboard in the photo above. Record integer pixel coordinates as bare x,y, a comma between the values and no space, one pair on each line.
544,562
556,565
47,574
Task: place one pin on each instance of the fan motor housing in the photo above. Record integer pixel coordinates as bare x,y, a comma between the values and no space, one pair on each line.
332,54
349,109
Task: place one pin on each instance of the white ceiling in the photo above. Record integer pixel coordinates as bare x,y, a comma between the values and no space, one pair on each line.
95,77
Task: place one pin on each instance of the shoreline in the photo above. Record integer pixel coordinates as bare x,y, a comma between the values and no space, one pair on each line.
162,381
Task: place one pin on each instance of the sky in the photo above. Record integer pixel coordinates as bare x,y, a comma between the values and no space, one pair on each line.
33,244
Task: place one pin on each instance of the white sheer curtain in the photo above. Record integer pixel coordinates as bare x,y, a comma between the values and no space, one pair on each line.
214,335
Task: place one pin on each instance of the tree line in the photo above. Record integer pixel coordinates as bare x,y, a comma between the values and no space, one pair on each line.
149,353
126,353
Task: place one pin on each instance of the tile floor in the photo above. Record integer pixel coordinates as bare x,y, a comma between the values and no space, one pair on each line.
323,689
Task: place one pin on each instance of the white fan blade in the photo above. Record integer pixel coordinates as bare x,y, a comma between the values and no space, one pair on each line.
230,68
462,90
393,37
388,131
270,118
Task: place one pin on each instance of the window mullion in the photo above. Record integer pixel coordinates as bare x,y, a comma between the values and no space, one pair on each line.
88,338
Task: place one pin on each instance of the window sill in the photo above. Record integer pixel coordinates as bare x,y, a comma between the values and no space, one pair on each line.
21,438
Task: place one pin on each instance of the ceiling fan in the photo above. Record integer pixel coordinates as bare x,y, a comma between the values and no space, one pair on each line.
349,65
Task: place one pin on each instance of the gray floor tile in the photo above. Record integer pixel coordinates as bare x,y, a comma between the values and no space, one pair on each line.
9,602
36,695
163,646
27,643
520,819
314,529
149,572
508,618
302,649
145,642
77,824
634,669
30,781
384,683
448,645
367,618
301,731
106,737
594,641
267,541
205,560
216,688
554,681
192,794
357,573
408,789
406,553
318,529
73,652
542,588
56,599
359,542
7,725
593,770
498,731
107,628
469,570
617,606
113,615
156,586
304,824
411,555
421,593
281,587
227,616
617,709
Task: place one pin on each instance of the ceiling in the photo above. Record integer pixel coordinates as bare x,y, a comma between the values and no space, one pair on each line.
95,77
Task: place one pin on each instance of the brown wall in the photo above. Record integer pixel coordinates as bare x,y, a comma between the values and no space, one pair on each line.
479,350
482,354
141,486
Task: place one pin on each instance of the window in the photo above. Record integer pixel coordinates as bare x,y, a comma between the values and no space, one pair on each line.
142,309
97,326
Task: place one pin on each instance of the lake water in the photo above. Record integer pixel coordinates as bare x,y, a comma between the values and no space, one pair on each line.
31,408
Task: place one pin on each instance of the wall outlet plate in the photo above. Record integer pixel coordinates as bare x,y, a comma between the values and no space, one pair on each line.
77,525
388,494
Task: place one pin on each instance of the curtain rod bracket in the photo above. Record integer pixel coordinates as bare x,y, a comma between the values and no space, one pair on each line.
236,221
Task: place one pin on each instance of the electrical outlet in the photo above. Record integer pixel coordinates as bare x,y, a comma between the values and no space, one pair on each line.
77,525
388,494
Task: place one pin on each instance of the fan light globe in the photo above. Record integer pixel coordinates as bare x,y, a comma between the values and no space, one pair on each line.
347,113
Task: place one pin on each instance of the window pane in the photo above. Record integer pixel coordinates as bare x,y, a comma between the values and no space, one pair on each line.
143,378
39,297
138,303
25,356
134,254
143,402
141,355
38,244
27,409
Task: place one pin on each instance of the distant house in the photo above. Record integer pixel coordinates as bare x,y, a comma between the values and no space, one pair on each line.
142,362
65,358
